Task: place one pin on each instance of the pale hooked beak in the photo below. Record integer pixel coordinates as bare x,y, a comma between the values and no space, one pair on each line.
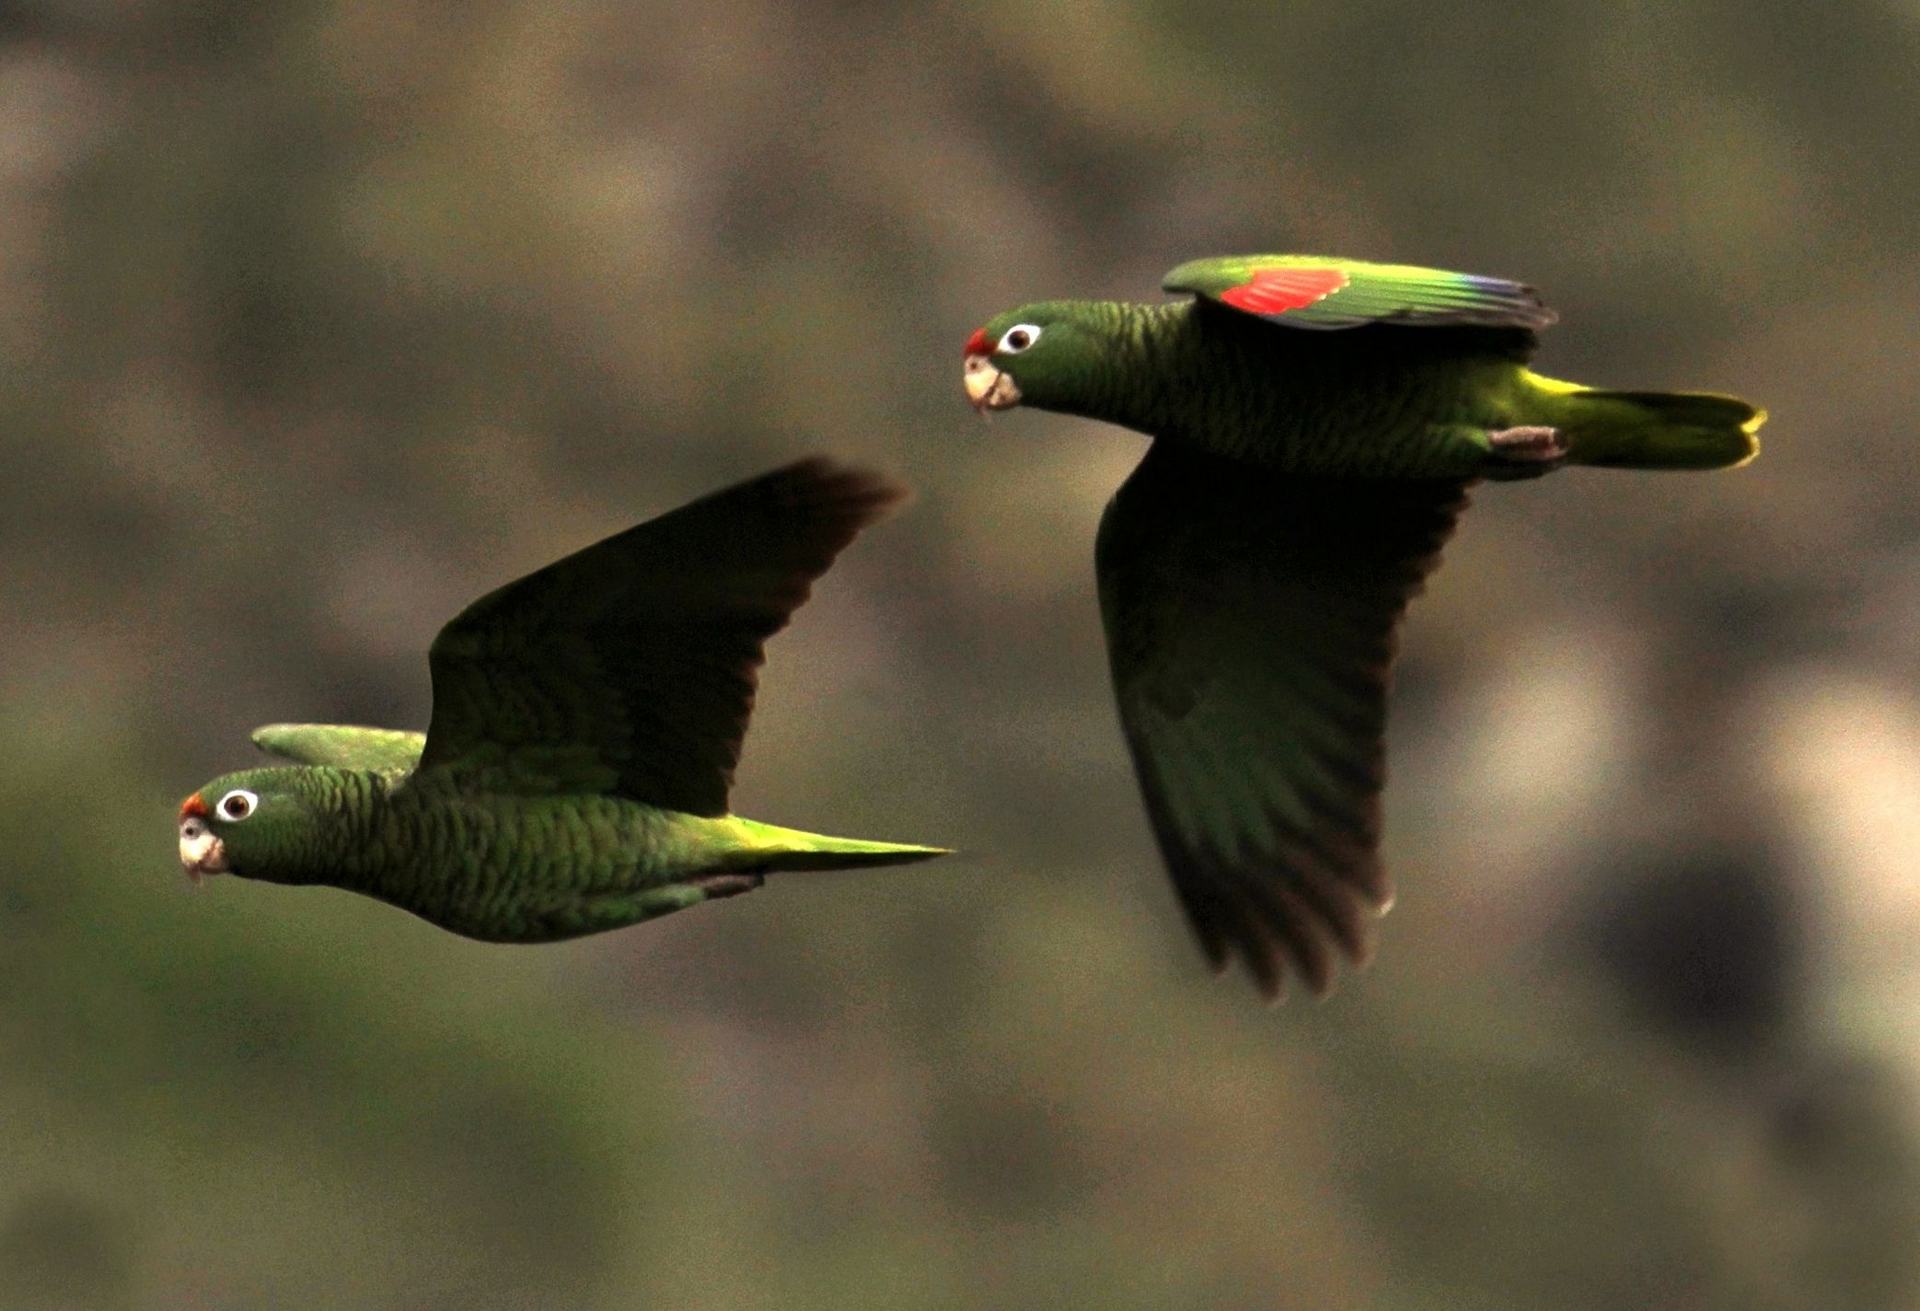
201,851
987,387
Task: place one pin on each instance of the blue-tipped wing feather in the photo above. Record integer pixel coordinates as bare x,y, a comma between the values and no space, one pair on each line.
1308,291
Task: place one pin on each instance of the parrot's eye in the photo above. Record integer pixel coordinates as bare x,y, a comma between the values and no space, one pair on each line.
1017,338
237,804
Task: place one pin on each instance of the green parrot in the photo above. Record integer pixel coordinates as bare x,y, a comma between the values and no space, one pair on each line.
586,723
1317,422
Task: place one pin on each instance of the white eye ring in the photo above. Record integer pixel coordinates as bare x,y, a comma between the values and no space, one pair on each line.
1017,338
237,804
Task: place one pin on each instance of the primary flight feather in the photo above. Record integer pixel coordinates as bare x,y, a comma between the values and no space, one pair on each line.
586,723
1317,423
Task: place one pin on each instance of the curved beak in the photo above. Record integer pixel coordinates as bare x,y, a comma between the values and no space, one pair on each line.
989,388
201,851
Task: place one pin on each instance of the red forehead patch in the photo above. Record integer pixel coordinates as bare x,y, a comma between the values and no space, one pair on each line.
978,344
1275,291
193,808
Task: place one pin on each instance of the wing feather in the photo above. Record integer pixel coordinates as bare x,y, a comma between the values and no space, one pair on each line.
342,746
1251,624
1310,291
630,666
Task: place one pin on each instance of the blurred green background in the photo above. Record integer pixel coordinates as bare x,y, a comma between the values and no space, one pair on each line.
318,319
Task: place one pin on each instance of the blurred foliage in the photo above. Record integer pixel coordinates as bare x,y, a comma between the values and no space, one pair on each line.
318,319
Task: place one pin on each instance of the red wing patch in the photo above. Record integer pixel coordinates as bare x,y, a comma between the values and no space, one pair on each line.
1275,291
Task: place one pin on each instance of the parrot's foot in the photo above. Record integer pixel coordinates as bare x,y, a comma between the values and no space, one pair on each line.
1525,452
717,886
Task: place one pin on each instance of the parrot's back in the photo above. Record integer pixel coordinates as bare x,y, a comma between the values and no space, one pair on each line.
1376,401
1397,401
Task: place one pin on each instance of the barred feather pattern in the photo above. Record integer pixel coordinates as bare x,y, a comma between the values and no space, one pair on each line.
1380,401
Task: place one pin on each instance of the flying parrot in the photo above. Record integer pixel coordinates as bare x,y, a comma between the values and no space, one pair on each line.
1317,422
586,723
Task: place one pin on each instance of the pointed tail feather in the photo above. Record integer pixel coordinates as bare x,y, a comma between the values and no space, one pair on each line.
775,848
1654,430
847,853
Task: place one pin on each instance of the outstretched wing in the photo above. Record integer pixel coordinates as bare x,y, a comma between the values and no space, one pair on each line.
629,667
1251,624
343,746
1307,291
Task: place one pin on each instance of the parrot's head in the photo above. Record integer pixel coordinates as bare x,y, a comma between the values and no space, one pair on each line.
1039,354
258,823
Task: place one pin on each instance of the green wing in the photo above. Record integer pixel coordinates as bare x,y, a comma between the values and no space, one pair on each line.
629,667
1308,291
1251,624
343,746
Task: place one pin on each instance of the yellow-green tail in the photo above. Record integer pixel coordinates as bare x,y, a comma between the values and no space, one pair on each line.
1650,429
772,847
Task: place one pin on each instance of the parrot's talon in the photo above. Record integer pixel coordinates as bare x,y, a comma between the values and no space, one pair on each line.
717,886
1526,452
1533,444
